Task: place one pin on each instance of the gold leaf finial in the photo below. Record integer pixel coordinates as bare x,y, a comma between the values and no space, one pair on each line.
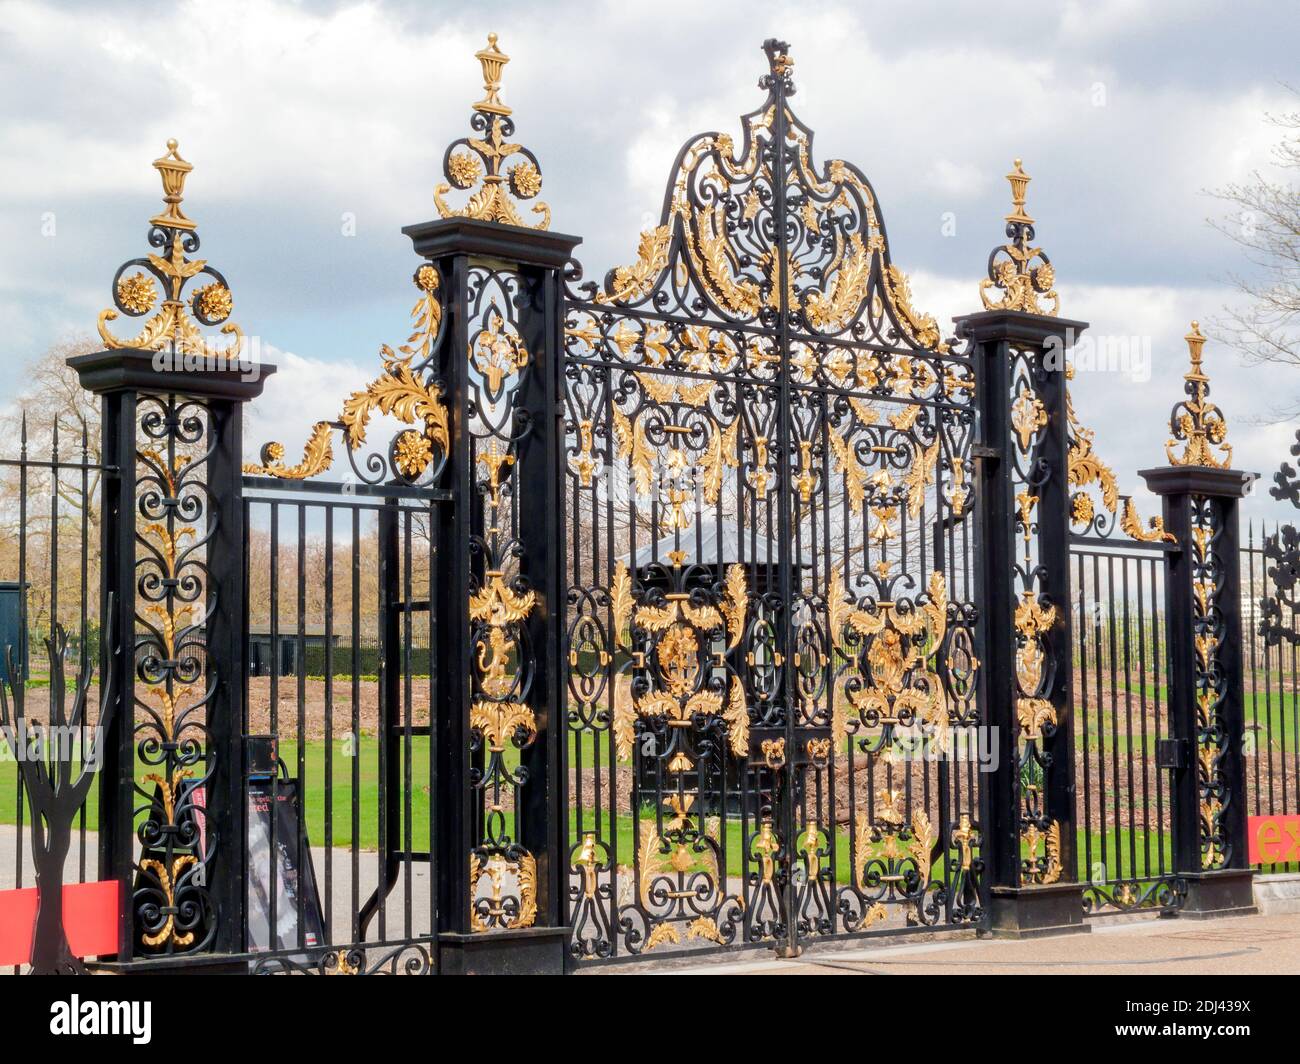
1196,422
1021,272
480,159
493,61
173,170
166,276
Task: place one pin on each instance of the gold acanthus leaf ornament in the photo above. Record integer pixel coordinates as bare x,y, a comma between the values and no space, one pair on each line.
397,391
1022,273
499,722
631,283
492,202
1085,468
497,604
921,329
634,448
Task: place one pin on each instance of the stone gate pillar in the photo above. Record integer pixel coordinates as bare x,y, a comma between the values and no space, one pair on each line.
501,861
1023,585
1203,632
172,549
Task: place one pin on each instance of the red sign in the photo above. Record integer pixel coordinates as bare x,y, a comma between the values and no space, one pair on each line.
89,918
1273,839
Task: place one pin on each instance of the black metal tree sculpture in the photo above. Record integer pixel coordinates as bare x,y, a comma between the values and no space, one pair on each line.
55,787
1280,611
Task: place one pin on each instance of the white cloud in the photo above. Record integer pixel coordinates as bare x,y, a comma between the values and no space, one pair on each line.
301,392
294,114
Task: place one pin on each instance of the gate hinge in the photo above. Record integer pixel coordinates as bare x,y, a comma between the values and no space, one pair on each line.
983,450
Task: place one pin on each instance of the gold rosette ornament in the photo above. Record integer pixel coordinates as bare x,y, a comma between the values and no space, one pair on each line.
139,283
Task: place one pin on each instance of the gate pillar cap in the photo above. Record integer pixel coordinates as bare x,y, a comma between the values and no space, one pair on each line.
1017,325
129,369
469,236
1198,480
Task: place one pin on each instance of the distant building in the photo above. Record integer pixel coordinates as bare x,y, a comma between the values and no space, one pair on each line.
281,652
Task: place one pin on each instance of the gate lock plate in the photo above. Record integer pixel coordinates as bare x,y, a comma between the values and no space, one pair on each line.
1171,753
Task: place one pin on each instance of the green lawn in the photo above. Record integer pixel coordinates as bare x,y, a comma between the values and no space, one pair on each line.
1117,859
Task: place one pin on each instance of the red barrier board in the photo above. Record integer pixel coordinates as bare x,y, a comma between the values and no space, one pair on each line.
89,917
1273,839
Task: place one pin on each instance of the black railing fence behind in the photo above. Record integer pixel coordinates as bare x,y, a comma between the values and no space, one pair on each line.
49,575
1272,738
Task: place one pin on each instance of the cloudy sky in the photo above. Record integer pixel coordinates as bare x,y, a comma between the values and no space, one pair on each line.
316,132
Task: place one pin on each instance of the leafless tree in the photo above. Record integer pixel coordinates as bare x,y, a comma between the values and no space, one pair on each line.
1264,221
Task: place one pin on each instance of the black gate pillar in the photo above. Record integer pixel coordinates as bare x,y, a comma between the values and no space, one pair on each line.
1023,585
1204,638
501,860
173,545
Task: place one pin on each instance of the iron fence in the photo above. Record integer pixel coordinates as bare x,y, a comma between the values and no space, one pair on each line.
1272,739
50,565
353,737
1124,809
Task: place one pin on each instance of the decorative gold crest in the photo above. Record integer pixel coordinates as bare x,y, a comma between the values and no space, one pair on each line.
1023,273
494,200
1196,421
175,326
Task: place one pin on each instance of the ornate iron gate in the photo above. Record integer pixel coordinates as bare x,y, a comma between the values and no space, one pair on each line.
740,596
770,602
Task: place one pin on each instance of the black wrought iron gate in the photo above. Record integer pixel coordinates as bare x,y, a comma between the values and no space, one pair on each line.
770,604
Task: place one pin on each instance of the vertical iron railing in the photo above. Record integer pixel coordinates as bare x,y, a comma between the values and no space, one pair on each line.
1272,692
1121,718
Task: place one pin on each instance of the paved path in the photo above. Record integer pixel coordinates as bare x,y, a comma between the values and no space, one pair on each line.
340,879
1242,946
1250,945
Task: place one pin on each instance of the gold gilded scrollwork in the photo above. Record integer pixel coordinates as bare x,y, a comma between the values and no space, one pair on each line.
397,392
1210,735
1086,468
899,647
1022,273
168,878
1046,869
1196,421
715,249
498,909
492,202
176,323
678,630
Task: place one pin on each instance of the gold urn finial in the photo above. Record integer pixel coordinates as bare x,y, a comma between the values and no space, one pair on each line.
493,61
173,170
1019,183
1196,422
